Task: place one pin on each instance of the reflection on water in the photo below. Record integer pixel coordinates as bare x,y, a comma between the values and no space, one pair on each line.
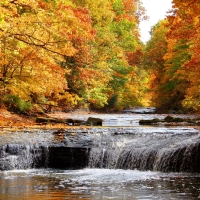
100,184
97,184
124,120
30,185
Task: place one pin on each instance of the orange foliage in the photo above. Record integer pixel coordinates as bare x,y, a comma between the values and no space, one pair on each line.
185,25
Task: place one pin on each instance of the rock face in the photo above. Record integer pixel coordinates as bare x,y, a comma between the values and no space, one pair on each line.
68,157
19,156
183,159
169,120
94,121
45,120
91,121
15,156
158,149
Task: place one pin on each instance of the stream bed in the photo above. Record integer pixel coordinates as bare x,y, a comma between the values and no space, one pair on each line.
120,166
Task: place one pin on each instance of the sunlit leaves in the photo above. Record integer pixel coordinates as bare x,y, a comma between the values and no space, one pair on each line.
89,47
35,36
179,59
154,61
185,55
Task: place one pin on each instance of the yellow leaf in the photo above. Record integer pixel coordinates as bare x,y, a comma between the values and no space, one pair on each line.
196,20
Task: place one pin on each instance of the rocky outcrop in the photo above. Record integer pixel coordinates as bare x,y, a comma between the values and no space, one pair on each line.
68,157
22,156
169,120
17,156
91,121
156,149
94,121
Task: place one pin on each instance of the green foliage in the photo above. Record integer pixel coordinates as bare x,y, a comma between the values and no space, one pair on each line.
118,7
69,53
123,30
112,101
14,103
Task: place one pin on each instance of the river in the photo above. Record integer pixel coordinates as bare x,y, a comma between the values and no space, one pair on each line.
107,176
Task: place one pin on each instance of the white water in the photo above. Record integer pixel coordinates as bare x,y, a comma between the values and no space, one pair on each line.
122,136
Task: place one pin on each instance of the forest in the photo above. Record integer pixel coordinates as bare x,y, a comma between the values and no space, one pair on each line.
71,54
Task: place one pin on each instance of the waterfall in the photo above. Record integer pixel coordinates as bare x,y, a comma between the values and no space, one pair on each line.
177,151
20,156
155,149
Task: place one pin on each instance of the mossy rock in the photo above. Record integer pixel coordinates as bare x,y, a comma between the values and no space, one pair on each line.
191,121
94,121
155,120
168,119
177,119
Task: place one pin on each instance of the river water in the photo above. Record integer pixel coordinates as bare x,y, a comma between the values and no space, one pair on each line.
93,183
97,184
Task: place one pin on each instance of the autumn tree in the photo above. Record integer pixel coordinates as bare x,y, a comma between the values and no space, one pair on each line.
35,38
176,80
108,73
153,62
182,57
89,78
70,52
125,83
188,13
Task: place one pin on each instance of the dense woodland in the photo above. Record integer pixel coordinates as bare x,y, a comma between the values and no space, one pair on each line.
88,54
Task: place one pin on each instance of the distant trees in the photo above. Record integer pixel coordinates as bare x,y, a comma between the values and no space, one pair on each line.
172,58
114,83
73,53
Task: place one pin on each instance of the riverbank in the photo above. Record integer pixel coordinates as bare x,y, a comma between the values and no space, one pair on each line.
8,119
12,120
20,121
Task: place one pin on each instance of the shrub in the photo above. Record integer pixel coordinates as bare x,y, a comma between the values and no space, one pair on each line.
15,104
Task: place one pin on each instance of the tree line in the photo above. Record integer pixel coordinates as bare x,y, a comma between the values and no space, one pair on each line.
88,53
172,58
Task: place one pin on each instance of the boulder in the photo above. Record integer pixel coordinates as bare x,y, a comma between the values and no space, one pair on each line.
169,120
45,120
94,121
91,121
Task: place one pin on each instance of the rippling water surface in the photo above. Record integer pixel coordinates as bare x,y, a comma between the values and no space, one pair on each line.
97,184
103,184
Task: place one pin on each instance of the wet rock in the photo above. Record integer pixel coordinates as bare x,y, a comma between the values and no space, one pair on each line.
70,122
146,122
61,130
45,120
78,122
169,120
94,121
19,156
68,158
14,149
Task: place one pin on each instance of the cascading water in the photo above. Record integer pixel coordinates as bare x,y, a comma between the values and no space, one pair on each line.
117,161
165,149
43,149
18,156
157,149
